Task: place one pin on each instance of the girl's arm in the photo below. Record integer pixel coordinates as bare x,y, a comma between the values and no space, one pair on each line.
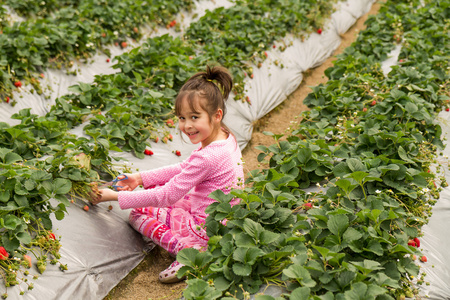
194,172
160,176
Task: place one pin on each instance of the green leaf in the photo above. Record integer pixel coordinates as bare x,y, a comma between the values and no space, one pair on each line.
247,255
300,274
4,196
187,256
21,200
403,155
138,77
244,240
3,152
359,176
267,237
10,244
355,165
361,291
337,224
12,158
304,155
346,185
221,283
301,293
351,234
242,269
24,237
61,186
252,228
171,60
411,107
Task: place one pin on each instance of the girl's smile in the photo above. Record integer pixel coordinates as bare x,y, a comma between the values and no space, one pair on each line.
198,125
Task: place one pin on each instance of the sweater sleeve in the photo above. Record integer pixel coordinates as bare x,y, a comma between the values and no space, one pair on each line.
194,171
160,176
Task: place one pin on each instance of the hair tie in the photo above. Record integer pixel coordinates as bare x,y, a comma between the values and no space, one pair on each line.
210,80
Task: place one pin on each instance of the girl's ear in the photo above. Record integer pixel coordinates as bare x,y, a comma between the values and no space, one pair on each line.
219,115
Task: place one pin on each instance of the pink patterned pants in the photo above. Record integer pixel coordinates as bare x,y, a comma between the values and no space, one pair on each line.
171,228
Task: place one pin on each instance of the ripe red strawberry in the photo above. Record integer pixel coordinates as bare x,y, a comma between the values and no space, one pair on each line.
447,109
307,206
274,46
51,236
170,123
373,102
124,44
178,153
319,31
423,259
364,109
417,241
148,152
173,23
18,84
3,253
412,243
108,60
7,99
86,208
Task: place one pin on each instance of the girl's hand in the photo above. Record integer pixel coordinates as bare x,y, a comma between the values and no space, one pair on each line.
133,181
103,196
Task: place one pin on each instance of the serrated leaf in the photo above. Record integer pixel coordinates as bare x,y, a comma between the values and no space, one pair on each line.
301,293
242,269
62,186
338,224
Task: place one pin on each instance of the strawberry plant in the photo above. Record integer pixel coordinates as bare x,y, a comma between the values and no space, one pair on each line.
60,34
374,189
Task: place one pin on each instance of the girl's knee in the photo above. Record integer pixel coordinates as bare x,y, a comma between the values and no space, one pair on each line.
135,213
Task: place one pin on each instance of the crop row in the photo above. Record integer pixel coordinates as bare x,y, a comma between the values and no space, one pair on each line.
40,160
56,35
369,143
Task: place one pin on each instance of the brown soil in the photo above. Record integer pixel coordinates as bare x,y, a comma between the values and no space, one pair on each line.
142,283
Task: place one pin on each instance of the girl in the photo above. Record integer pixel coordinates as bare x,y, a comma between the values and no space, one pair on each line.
171,209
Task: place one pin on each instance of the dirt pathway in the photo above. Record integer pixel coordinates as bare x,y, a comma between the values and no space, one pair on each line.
142,283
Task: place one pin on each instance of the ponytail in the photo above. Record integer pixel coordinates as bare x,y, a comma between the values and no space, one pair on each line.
213,85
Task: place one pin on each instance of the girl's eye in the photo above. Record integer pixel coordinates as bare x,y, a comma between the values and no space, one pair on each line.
194,117
181,118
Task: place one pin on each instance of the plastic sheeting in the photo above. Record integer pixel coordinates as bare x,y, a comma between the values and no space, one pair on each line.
435,242
99,246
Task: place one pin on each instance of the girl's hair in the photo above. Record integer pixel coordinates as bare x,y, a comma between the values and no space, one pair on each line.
214,85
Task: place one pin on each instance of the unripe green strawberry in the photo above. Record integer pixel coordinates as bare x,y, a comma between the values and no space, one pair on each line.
42,265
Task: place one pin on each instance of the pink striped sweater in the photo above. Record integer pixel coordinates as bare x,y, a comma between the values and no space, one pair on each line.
217,166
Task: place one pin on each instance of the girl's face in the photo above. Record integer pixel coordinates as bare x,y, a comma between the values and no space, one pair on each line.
197,125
